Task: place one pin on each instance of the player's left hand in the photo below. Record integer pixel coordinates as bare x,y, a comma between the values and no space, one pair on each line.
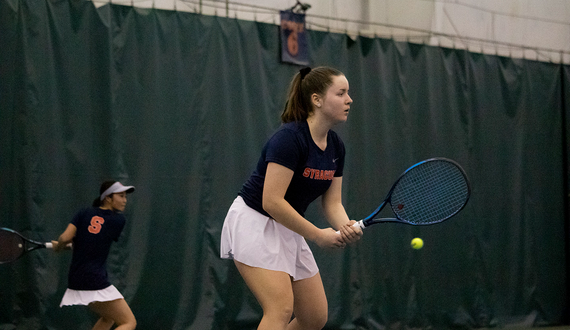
56,247
349,233
60,247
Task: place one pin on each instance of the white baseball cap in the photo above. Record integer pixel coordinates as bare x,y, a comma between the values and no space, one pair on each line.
117,187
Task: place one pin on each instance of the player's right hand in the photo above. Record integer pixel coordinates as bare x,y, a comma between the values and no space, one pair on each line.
328,238
349,233
56,247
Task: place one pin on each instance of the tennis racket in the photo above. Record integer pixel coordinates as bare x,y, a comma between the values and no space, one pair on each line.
429,192
13,245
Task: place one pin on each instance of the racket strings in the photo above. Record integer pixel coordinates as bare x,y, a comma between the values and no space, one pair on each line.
430,192
11,246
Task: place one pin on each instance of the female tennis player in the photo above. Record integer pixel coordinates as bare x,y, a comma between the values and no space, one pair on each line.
92,231
265,230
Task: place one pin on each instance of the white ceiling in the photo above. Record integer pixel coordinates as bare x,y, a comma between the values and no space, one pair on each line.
534,29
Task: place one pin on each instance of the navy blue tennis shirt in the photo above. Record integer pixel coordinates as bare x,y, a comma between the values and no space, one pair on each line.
314,169
97,229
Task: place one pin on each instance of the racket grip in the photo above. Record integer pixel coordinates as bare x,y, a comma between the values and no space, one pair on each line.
49,245
356,224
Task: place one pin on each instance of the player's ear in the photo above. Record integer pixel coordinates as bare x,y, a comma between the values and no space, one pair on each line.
316,100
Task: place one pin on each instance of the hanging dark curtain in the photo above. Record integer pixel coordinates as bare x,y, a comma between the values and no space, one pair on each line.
180,105
565,81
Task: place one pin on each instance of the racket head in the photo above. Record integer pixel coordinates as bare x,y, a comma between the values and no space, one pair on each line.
13,245
429,192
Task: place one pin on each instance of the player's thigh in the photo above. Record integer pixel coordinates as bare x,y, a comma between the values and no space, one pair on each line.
271,288
117,310
310,299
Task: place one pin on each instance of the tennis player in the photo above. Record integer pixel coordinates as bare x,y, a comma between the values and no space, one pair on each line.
265,230
92,231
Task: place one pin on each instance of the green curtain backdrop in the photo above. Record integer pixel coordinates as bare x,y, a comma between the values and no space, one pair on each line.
565,81
180,105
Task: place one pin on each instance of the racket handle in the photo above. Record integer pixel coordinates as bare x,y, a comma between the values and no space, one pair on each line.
49,245
356,224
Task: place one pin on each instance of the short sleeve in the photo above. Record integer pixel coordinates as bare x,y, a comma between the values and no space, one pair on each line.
284,149
78,217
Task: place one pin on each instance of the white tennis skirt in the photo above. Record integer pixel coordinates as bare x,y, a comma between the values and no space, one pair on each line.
85,297
259,241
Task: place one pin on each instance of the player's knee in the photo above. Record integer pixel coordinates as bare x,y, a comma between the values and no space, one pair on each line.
283,316
317,322
280,313
132,324
106,322
320,321
314,321
127,322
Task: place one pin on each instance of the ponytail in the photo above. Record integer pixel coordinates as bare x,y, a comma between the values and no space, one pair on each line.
104,186
305,83
295,107
97,202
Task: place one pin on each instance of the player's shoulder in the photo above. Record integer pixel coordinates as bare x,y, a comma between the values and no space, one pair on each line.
290,131
86,210
111,214
293,127
334,135
83,214
335,138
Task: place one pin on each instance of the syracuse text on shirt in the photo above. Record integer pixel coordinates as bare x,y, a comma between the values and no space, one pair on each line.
318,174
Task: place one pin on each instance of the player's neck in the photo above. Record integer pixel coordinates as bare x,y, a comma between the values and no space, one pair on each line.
319,132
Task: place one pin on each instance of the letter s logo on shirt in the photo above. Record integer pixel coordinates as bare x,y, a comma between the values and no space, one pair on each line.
96,223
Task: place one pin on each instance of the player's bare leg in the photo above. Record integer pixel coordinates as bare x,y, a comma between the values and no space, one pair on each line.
118,311
103,324
273,291
311,307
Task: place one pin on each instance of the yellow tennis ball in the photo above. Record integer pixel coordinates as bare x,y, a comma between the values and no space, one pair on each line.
417,243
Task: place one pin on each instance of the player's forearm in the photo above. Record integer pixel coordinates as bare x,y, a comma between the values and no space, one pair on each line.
67,236
336,215
63,240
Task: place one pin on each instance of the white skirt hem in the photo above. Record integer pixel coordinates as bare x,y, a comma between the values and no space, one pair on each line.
85,297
